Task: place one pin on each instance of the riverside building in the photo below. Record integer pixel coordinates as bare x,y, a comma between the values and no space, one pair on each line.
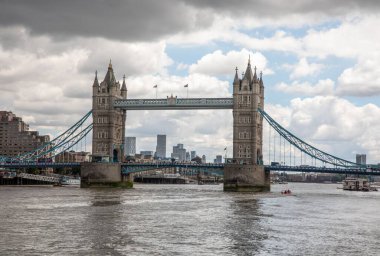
15,137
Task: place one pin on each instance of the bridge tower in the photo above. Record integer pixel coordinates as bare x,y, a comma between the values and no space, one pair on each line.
246,171
107,135
108,122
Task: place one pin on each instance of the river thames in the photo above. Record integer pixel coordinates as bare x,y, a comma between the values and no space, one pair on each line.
317,219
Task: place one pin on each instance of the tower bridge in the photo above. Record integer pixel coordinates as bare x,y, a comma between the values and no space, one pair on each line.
244,172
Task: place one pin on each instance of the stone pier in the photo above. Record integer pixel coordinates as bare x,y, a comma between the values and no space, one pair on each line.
246,178
95,175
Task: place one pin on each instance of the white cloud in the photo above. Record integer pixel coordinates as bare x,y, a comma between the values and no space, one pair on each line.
322,87
361,80
334,125
217,63
303,69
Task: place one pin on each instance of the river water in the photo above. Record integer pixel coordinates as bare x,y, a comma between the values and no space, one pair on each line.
317,219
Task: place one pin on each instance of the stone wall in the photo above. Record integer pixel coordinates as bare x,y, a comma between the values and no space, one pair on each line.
102,175
251,178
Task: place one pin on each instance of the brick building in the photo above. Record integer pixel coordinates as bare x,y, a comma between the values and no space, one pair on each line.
15,137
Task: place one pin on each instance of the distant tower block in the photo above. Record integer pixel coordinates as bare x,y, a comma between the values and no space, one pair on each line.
246,172
108,122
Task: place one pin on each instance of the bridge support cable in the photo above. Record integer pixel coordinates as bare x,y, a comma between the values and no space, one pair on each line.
68,144
307,148
50,146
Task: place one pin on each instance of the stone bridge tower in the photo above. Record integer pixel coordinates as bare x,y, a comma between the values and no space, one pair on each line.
246,172
108,122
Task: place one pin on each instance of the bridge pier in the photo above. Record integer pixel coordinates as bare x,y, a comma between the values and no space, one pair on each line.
103,175
246,178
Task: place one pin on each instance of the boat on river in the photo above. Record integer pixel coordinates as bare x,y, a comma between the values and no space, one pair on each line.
69,181
357,184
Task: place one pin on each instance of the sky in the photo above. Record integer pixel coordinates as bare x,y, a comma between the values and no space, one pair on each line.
320,63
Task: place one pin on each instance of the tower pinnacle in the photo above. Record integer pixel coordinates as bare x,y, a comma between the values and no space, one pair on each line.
236,79
96,82
255,76
124,86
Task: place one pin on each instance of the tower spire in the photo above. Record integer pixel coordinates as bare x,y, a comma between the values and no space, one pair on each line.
236,79
124,86
261,79
255,76
110,79
248,72
96,82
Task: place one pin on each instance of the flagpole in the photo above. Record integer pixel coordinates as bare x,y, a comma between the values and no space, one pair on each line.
155,87
187,90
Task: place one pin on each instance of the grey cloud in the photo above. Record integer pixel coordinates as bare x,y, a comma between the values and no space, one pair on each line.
115,19
275,8
147,20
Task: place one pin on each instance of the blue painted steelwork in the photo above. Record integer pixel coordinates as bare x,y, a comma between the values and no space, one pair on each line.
348,170
172,103
307,148
216,169
18,165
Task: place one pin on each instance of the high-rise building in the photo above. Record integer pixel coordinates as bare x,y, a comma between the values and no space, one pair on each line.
179,152
161,146
218,159
188,156
203,159
193,154
130,146
15,137
361,159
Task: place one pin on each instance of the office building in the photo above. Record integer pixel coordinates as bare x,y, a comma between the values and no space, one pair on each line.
161,146
179,153
361,159
203,159
130,146
218,159
15,137
193,154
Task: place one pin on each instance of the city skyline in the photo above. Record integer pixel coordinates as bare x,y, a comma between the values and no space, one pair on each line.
319,85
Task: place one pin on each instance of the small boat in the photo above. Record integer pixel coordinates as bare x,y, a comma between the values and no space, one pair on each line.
67,181
286,192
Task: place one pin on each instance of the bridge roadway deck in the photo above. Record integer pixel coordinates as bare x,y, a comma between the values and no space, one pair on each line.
138,167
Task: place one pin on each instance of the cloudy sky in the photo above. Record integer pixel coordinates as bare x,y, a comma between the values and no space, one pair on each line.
320,59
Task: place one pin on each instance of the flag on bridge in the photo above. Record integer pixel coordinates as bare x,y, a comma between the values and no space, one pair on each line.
186,85
225,149
155,86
